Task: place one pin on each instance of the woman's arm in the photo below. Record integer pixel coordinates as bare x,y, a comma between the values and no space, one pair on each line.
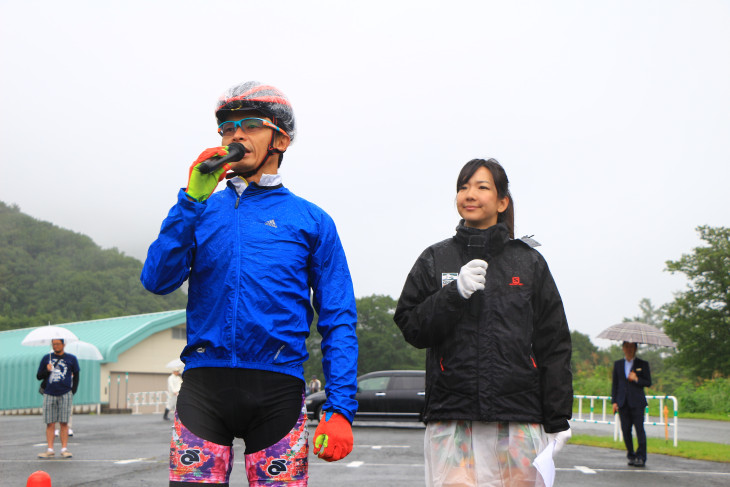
425,312
552,345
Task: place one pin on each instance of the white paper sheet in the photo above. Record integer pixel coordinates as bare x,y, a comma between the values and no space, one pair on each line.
545,465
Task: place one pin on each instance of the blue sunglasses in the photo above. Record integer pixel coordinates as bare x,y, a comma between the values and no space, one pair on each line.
249,126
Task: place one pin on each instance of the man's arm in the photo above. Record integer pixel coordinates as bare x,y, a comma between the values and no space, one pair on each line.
43,372
170,257
75,385
76,370
614,387
643,373
334,301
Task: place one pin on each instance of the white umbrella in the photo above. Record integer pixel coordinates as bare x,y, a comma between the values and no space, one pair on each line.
83,351
43,335
636,332
176,364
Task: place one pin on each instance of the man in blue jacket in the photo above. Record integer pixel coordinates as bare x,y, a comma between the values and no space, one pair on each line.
259,261
60,373
630,376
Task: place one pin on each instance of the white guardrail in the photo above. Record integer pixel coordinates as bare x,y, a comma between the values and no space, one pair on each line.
135,400
606,415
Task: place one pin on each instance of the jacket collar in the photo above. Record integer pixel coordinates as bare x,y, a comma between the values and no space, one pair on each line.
239,186
482,244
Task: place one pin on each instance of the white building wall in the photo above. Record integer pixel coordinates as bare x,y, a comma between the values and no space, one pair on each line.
148,357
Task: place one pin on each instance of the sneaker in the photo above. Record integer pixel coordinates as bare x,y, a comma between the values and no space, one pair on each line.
56,433
70,432
47,454
66,454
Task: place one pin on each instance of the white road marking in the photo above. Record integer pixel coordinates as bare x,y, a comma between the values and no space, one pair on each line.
378,447
354,464
133,460
584,469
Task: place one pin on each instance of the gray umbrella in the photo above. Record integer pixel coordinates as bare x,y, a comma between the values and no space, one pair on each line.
633,331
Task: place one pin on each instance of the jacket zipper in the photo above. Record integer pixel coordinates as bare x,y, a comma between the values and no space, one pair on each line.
278,352
239,264
234,352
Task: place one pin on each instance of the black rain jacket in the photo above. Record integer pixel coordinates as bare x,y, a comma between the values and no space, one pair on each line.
501,355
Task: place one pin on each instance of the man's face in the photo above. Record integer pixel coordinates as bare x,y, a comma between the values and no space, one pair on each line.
255,141
629,350
57,346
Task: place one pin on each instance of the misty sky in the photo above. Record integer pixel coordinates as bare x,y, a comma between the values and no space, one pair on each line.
612,120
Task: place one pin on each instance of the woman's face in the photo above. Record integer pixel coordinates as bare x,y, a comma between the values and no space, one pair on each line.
478,202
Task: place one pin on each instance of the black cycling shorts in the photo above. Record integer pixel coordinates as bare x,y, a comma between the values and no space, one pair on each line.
220,404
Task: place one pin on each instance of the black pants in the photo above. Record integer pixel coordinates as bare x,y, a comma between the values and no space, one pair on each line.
633,417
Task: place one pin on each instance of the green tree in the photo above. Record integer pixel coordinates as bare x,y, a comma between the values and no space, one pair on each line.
584,351
381,344
49,274
649,314
698,319
591,366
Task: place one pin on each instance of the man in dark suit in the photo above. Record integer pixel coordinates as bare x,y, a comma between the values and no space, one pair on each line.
630,376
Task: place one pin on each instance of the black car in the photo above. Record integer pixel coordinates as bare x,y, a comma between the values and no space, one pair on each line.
385,394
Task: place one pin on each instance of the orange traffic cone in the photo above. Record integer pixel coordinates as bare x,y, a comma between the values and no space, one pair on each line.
39,479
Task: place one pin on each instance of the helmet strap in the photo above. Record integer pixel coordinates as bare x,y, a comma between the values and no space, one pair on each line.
271,150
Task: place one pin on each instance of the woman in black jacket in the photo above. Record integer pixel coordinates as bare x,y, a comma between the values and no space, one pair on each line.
486,308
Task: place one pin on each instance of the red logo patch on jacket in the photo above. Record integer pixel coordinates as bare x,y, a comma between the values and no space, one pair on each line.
515,281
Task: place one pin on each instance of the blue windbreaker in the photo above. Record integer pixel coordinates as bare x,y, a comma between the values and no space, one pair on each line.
251,261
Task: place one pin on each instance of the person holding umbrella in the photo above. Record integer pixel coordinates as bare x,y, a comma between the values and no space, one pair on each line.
630,376
59,372
82,351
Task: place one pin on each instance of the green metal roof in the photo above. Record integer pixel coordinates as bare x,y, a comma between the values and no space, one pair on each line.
112,336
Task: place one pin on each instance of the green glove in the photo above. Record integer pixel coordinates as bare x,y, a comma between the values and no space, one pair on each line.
201,186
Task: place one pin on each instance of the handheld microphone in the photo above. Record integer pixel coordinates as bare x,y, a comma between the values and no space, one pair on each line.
476,249
236,151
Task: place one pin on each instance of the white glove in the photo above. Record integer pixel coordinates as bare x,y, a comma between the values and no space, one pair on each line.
560,439
471,278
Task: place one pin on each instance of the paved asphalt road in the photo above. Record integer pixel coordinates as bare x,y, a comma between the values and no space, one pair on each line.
126,451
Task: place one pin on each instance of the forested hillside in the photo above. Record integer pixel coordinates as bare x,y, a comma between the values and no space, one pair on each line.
49,274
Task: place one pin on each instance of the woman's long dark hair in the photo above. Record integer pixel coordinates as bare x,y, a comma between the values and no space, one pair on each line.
501,182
